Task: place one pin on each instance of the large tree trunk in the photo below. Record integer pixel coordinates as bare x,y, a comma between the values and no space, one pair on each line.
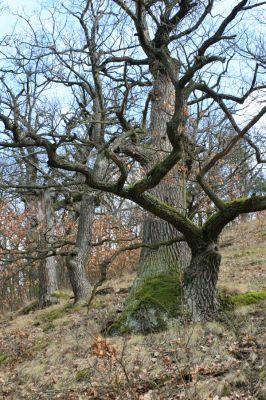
200,281
48,282
167,262
167,259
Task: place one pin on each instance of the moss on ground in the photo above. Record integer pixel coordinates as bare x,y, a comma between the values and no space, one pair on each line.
245,299
153,304
29,308
4,358
56,313
262,375
59,294
83,375
51,315
248,298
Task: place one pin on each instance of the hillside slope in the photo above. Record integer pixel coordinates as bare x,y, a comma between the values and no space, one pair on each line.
60,353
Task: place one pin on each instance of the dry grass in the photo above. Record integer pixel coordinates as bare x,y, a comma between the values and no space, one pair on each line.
59,353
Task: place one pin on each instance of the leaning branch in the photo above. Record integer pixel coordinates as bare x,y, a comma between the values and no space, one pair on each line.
214,225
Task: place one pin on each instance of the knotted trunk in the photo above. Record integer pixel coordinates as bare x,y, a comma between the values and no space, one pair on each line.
200,282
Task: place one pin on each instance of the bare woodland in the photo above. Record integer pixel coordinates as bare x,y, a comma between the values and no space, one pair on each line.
131,136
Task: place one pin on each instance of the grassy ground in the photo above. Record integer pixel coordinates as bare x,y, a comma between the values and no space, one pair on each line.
61,352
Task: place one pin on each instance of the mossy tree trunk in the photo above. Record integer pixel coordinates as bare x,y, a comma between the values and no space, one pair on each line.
166,260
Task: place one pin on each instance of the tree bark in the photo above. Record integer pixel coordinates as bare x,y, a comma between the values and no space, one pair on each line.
76,263
167,260
48,282
200,281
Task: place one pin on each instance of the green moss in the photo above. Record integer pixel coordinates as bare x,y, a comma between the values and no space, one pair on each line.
157,300
53,314
262,375
245,299
237,201
248,298
83,374
4,358
163,291
72,308
61,295
56,313
29,308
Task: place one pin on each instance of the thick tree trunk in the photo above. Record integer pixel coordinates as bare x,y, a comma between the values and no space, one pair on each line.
200,281
166,263
48,282
170,259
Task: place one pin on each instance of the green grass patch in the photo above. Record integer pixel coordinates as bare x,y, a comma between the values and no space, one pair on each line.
39,344
52,315
98,304
83,375
4,359
245,253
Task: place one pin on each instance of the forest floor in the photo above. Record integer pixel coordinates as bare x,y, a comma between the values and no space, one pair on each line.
61,352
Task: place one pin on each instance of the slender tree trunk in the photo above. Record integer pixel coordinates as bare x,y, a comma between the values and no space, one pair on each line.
76,264
200,281
48,283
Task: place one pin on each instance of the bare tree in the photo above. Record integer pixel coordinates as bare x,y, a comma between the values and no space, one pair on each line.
187,52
